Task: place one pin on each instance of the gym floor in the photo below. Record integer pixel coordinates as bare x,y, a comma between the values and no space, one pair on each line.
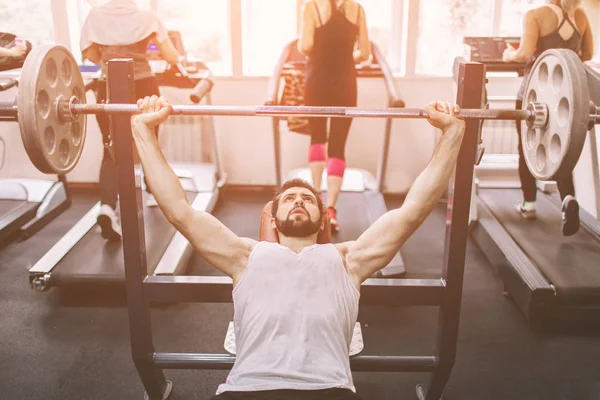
74,344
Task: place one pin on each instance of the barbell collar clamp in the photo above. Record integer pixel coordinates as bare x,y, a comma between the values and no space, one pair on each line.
540,114
64,109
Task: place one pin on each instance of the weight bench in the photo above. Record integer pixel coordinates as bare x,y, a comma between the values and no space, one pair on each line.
268,234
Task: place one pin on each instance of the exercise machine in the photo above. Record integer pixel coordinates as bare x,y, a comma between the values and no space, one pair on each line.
168,251
445,293
550,277
27,205
361,194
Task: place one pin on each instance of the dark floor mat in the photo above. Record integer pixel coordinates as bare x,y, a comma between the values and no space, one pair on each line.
54,349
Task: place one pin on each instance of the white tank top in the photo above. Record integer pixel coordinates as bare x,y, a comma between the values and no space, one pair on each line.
294,314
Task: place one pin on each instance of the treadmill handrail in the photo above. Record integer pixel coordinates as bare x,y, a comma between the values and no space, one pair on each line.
273,85
390,85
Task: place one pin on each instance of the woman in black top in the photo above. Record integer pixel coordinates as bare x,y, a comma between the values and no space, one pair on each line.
330,30
559,24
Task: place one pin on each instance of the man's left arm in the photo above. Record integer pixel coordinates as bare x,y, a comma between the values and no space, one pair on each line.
376,247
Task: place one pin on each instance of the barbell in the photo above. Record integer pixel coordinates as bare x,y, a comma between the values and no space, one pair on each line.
51,110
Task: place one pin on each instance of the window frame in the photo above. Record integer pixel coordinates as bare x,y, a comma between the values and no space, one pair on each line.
402,51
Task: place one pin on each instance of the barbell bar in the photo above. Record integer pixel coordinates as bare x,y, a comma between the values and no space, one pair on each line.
69,109
72,108
51,110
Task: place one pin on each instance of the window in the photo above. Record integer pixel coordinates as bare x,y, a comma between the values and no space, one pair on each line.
28,19
511,17
267,26
442,26
380,17
204,28
87,4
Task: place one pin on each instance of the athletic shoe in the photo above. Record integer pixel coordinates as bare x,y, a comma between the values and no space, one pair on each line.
109,223
335,227
526,209
570,216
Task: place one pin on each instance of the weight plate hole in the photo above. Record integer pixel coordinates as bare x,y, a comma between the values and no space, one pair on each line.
555,148
51,72
64,152
43,103
543,73
563,111
540,158
76,133
557,78
532,97
531,138
66,72
49,140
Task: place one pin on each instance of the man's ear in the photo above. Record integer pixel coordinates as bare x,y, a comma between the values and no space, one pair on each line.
273,223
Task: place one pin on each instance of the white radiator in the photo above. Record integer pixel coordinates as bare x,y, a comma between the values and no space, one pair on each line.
498,167
500,137
185,138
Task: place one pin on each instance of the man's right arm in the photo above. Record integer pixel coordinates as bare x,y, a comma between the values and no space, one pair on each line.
218,245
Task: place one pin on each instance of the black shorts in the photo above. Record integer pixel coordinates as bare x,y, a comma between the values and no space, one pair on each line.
286,394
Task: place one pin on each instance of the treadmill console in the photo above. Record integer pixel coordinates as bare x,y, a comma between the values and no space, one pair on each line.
488,50
297,61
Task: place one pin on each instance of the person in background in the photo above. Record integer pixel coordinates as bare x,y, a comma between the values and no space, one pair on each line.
329,32
120,29
558,24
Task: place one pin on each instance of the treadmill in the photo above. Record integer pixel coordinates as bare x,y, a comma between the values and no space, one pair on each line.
550,277
27,205
84,256
361,193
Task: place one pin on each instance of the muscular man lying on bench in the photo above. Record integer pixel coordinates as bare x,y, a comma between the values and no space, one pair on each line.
295,300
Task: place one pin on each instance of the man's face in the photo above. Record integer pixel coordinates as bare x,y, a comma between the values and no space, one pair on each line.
298,214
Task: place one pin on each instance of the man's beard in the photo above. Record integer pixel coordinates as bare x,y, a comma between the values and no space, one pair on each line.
298,228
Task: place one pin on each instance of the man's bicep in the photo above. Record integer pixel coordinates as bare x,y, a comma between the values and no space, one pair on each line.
216,243
376,247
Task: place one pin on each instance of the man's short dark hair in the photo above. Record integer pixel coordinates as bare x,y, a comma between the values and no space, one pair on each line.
296,182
